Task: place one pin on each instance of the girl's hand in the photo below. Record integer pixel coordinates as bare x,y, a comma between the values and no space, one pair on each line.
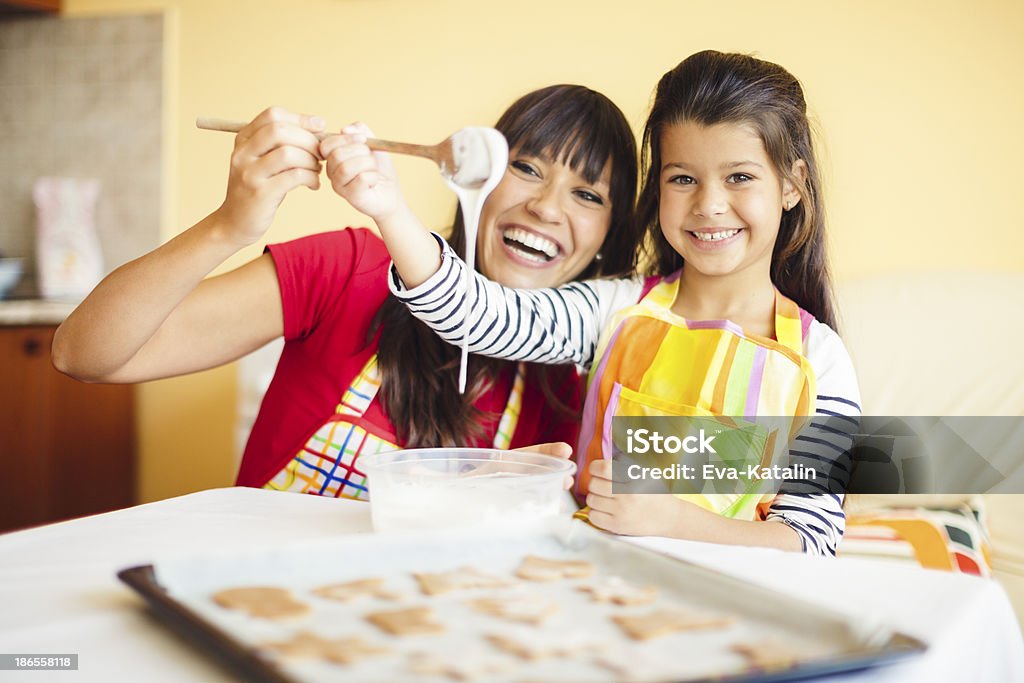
663,514
368,181
274,154
642,514
365,179
556,449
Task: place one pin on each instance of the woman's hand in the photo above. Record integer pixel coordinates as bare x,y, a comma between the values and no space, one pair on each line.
556,449
157,316
365,179
275,153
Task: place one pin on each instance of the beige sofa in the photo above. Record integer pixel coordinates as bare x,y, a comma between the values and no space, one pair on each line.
944,344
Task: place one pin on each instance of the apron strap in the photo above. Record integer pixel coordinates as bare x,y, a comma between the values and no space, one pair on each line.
661,292
788,328
360,394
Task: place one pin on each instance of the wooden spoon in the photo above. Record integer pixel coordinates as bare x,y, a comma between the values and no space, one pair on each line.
463,157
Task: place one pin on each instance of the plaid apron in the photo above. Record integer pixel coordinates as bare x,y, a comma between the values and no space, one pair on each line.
327,465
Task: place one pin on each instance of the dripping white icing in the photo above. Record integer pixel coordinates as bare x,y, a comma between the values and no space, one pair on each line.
480,153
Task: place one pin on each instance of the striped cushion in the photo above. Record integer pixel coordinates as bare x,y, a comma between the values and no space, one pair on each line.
951,537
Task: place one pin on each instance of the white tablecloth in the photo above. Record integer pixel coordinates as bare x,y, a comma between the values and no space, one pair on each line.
59,593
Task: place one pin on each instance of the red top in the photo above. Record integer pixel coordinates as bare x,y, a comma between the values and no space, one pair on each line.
331,287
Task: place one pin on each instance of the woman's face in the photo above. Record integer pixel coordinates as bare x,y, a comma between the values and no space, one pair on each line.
543,224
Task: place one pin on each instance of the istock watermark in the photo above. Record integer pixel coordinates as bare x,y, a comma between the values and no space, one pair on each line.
645,441
817,454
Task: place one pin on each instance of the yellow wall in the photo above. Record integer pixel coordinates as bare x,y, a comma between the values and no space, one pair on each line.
920,104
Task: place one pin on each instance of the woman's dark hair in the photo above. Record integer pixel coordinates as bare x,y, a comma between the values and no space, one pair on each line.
714,87
419,372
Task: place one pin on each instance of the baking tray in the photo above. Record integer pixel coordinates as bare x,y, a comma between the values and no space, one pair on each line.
179,591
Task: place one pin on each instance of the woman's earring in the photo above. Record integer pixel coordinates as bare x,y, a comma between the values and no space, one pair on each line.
598,256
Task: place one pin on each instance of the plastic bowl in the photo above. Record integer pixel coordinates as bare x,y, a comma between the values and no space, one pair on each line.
10,273
443,488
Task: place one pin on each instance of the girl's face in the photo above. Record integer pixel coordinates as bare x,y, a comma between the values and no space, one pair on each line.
543,224
721,197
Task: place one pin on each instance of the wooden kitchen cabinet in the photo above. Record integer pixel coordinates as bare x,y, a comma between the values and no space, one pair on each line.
22,6
66,448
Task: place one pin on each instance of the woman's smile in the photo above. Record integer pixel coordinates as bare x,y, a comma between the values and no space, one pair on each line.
529,246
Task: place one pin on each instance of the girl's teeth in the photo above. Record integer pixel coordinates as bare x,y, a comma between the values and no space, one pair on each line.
535,242
714,236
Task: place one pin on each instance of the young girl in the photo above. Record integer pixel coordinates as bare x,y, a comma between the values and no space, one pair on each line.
738,320
358,374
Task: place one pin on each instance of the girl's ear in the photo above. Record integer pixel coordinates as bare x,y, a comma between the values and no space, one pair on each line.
790,193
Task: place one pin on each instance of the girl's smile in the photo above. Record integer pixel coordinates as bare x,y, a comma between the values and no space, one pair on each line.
711,239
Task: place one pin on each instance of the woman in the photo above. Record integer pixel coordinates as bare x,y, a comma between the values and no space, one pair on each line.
358,374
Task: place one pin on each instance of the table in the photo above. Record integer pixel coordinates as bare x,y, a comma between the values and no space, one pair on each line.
59,593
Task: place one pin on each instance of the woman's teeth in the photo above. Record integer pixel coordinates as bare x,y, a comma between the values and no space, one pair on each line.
531,245
714,236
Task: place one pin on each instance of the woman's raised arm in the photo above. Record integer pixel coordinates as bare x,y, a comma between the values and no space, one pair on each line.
156,316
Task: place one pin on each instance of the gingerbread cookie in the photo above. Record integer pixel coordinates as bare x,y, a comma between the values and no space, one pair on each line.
306,645
615,590
406,622
527,609
533,645
767,654
468,666
264,602
535,568
662,622
352,590
459,579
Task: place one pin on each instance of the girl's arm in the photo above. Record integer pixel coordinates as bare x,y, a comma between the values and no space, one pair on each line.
814,508
155,316
654,514
549,325
542,325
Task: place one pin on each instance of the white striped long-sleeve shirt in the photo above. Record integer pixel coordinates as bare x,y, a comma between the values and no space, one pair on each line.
563,325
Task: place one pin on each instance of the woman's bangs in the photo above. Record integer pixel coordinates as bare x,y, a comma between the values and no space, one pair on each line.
564,137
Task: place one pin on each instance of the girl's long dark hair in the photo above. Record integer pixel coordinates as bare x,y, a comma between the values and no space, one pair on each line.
568,123
713,87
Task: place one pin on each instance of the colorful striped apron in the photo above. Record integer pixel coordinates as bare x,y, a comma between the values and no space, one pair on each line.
652,362
327,464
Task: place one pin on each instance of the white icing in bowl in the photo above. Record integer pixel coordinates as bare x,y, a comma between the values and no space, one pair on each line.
434,488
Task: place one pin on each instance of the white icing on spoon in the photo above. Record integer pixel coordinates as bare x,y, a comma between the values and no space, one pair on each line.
480,155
